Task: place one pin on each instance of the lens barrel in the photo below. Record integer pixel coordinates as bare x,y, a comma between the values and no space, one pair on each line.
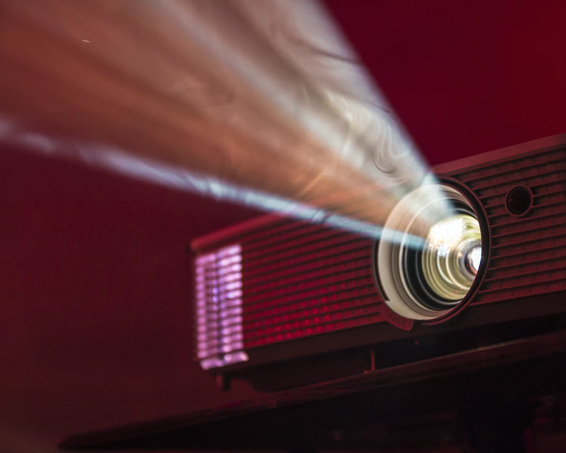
430,253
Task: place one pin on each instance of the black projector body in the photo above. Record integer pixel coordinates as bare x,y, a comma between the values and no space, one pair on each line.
282,302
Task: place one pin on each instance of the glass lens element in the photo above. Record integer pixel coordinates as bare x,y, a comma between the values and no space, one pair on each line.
450,256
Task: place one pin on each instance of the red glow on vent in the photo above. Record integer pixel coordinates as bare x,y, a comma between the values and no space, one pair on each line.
368,315
297,281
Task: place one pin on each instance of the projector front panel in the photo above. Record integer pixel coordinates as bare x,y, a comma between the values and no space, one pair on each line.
528,252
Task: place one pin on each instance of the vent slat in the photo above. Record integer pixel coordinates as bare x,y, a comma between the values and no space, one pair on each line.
513,165
305,277
560,234
364,320
558,253
523,252
312,252
554,276
553,221
527,291
534,269
518,221
289,242
322,311
302,233
500,179
313,302
295,314
339,316
276,271
327,286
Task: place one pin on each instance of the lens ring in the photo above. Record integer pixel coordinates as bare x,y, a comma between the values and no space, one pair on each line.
419,282
417,278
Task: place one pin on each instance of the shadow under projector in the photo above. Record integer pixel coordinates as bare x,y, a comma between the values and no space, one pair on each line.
283,303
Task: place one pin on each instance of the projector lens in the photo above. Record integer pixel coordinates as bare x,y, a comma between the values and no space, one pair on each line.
430,254
450,257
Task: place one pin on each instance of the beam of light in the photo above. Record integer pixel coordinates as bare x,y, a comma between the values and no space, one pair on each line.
103,157
258,102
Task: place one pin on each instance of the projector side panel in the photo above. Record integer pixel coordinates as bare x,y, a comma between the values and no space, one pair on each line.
279,280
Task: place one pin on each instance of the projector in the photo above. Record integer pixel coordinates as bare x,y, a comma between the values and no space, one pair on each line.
281,302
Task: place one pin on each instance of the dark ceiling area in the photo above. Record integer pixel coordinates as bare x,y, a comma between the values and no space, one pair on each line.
95,281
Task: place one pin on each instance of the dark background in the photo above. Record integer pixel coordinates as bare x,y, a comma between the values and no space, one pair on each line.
95,287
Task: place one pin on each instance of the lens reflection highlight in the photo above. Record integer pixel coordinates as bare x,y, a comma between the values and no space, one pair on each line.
450,259
260,103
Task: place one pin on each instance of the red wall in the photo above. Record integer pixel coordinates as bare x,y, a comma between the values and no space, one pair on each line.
95,288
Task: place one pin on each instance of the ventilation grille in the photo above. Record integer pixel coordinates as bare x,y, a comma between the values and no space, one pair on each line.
219,308
528,254
280,282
